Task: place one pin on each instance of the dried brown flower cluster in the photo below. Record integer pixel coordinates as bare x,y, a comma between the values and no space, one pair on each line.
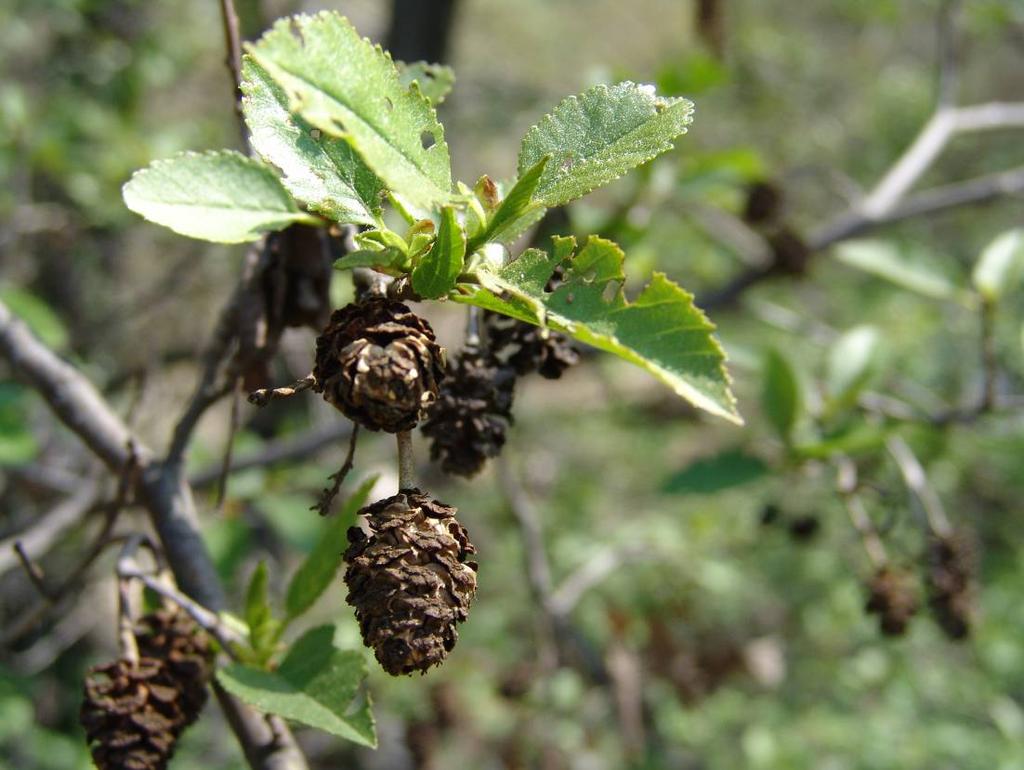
379,363
410,580
134,712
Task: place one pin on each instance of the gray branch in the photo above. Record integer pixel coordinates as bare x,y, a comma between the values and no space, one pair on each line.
163,490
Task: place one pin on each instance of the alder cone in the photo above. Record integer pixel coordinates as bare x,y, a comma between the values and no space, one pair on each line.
469,421
133,713
950,576
893,597
409,580
379,363
527,348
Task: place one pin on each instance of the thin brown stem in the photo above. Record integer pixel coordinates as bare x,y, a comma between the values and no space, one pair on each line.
847,485
406,461
264,396
917,482
229,446
323,505
233,58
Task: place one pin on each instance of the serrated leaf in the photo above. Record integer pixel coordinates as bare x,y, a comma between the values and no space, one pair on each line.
435,81
780,394
349,88
320,566
884,260
661,330
728,469
440,267
316,684
598,136
999,264
516,212
258,616
852,362
220,196
323,171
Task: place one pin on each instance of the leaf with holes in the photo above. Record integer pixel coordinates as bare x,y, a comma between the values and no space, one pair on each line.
435,81
322,171
316,684
598,136
220,196
349,88
440,267
661,331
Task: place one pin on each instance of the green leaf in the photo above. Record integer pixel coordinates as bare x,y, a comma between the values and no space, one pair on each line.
435,81
598,136
388,260
883,259
516,212
316,684
17,443
780,394
349,88
854,441
851,365
661,331
219,196
728,469
37,315
320,567
322,171
440,267
258,615
999,265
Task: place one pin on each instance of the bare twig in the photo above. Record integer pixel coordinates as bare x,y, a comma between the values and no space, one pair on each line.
33,570
264,396
229,446
161,487
233,58
128,569
279,452
49,527
917,482
847,485
323,505
564,599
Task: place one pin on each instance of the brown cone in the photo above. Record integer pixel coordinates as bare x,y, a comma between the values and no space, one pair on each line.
133,713
409,580
893,597
527,348
468,423
379,363
950,578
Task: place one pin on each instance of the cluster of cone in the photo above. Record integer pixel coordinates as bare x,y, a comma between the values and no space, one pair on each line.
133,712
949,578
380,364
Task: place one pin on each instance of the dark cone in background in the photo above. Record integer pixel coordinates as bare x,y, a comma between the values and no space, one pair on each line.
892,595
469,421
379,363
951,565
409,580
134,713
173,637
527,348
